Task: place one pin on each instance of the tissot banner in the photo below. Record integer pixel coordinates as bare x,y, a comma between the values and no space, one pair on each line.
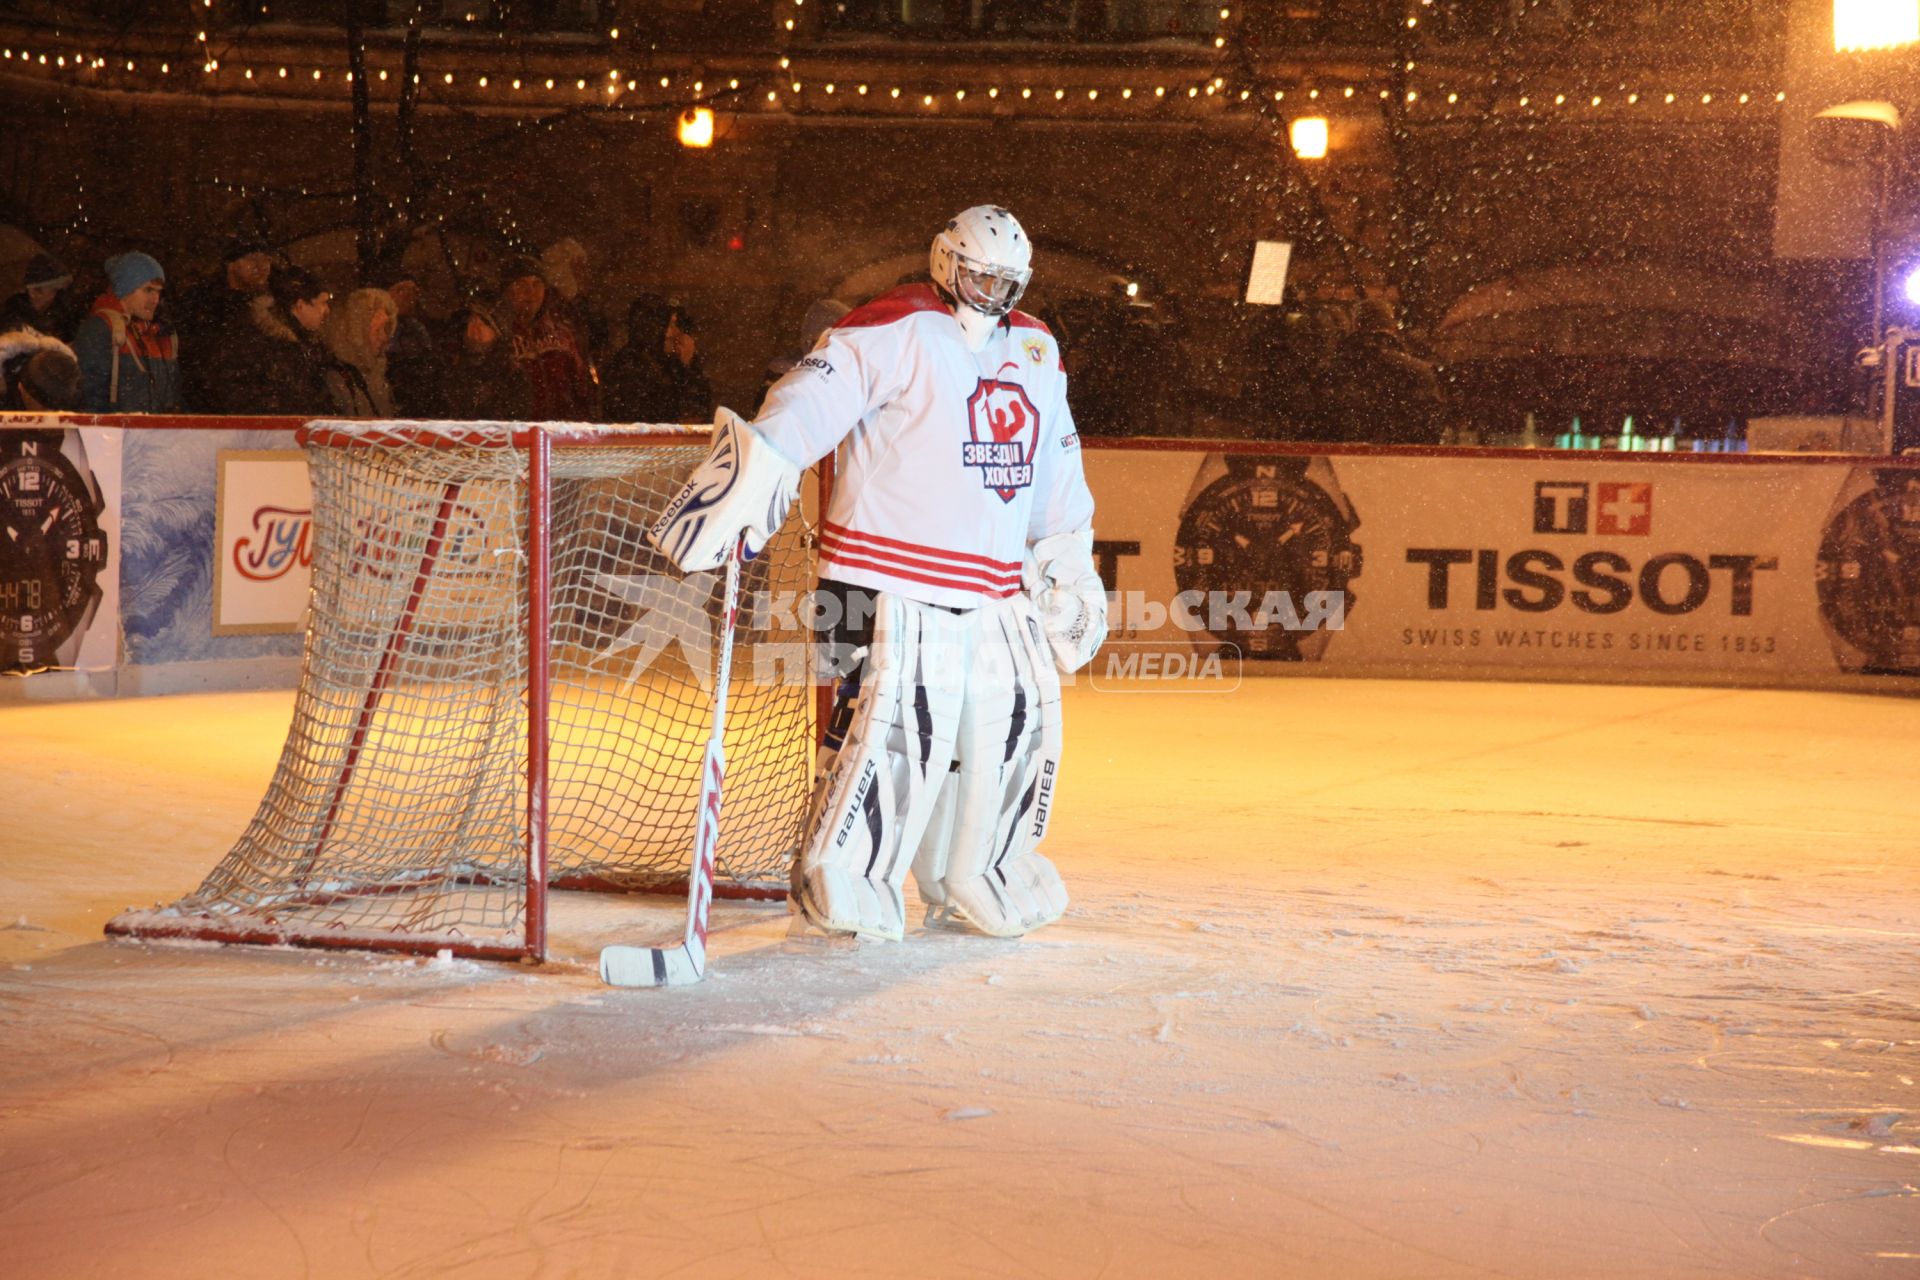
1553,566
60,553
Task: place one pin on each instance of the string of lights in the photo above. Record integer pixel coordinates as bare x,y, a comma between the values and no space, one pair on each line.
787,89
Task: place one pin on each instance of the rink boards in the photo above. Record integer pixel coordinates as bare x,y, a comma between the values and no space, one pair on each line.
1228,561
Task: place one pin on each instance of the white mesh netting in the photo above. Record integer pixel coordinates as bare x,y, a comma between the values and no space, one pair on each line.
398,812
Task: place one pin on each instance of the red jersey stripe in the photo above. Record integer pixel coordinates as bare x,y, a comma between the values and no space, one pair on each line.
995,577
879,543
908,565
853,562
1021,320
1002,577
909,298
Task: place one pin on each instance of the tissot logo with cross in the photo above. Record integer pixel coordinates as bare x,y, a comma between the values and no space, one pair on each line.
1613,508
1624,509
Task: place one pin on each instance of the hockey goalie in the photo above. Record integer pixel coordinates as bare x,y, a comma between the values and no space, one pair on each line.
956,570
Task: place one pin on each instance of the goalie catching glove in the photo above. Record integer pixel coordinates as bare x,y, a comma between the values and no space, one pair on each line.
744,487
1072,601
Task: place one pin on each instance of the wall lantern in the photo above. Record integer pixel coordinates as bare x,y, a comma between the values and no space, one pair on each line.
1308,134
696,127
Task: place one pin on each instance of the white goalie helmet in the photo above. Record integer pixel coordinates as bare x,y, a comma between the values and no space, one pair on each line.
983,259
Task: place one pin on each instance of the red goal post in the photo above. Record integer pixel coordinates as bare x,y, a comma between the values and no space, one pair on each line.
506,691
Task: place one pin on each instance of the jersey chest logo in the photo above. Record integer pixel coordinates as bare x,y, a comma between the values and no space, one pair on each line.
1004,431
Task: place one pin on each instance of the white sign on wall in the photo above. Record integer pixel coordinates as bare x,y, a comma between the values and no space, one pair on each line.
1267,282
263,542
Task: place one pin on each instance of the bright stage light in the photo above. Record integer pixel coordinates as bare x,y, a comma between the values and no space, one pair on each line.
1875,24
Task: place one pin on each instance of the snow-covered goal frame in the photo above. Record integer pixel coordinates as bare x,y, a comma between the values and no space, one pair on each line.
505,691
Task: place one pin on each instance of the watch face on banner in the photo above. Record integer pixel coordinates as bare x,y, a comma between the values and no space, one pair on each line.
51,551
1868,575
1267,545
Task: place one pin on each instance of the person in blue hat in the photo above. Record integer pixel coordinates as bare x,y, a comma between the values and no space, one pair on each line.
129,362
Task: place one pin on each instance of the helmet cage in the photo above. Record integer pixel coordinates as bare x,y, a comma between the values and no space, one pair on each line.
990,288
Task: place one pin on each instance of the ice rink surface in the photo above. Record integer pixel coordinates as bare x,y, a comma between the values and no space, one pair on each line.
1362,979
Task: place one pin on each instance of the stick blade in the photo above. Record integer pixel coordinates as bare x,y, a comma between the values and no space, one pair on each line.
675,966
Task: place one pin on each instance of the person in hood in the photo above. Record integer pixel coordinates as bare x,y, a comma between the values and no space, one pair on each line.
657,376
38,373
567,268
357,334
38,305
129,362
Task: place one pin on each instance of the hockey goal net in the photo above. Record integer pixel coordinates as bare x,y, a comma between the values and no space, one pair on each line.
452,756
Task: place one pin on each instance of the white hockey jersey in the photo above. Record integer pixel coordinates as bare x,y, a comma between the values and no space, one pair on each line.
947,461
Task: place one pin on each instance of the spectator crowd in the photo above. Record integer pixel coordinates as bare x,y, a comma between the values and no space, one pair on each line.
260,335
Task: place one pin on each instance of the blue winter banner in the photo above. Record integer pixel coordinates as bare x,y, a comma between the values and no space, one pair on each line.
168,553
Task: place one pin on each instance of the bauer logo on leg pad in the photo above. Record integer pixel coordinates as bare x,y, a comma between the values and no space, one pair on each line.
861,791
1046,796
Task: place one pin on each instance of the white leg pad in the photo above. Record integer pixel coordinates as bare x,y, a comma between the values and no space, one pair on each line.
877,790
982,864
930,859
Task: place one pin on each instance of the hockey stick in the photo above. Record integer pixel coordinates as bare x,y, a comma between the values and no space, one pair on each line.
686,961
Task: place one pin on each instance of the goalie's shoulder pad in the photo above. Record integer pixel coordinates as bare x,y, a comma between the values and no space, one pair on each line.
743,487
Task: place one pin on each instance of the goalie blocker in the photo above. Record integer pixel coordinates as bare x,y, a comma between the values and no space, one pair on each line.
740,493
